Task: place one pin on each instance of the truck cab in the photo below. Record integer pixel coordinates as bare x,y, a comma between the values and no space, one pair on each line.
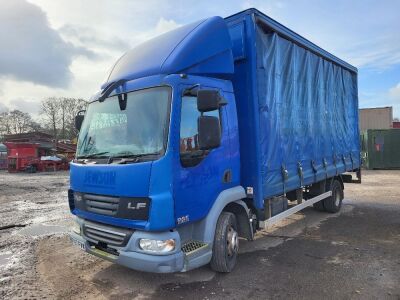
157,151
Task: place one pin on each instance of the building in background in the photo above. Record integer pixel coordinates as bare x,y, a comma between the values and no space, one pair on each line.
37,151
46,142
375,118
396,124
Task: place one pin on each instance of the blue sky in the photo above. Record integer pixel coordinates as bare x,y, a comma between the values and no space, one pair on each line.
66,47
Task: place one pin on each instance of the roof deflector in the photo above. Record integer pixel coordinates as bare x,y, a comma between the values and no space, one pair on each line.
203,47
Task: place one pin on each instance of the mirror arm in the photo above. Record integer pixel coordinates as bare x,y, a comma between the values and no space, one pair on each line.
109,88
189,91
222,102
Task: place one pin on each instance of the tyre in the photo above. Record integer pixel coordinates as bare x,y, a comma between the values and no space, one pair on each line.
226,243
334,202
319,206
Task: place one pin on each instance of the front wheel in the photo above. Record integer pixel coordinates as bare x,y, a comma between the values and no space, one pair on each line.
226,243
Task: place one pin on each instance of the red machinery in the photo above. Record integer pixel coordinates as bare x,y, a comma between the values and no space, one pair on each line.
27,157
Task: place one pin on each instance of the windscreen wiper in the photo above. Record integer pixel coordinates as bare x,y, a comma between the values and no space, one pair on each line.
93,155
132,158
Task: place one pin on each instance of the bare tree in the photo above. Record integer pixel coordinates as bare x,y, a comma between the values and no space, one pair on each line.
16,121
21,121
51,113
73,107
5,126
63,102
59,114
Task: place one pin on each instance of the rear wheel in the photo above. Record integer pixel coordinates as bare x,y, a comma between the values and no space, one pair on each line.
334,202
226,243
319,205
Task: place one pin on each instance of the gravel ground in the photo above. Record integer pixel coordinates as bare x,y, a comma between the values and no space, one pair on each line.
33,207
351,255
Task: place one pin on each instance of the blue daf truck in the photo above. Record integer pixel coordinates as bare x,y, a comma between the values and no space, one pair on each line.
206,134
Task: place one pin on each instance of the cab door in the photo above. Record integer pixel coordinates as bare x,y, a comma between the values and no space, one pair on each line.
199,176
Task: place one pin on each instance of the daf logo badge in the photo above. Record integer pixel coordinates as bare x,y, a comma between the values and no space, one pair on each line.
139,205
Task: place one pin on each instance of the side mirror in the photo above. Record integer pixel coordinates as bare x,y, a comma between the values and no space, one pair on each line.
209,100
209,129
79,119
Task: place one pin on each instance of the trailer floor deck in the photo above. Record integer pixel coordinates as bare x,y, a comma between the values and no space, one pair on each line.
354,254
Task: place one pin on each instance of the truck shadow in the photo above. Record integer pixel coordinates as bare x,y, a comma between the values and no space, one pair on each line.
130,283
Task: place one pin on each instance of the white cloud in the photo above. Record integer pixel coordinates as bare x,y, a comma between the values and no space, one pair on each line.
365,35
162,26
30,106
87,80
394,93
3,108
106,31
33,51
85,36
379,53
267,7
390,97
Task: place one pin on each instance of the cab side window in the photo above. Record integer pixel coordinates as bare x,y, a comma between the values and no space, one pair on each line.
189,147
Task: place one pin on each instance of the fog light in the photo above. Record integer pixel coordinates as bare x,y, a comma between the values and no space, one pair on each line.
157,245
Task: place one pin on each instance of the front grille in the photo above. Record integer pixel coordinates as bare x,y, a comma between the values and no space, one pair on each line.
110,235
119,207
104,205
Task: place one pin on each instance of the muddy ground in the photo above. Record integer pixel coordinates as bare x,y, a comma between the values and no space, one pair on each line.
351,255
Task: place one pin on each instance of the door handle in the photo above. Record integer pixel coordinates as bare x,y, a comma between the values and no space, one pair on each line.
227,176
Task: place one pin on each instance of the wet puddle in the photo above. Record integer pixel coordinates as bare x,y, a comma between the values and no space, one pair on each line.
5,258
42,229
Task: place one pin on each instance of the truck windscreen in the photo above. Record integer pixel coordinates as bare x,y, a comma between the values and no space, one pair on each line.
139,129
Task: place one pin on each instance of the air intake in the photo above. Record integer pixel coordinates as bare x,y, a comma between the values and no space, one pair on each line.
110,235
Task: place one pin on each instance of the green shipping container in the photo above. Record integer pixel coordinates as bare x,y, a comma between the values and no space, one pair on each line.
380,148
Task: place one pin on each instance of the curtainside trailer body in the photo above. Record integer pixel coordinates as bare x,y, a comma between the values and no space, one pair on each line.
205,135
298,106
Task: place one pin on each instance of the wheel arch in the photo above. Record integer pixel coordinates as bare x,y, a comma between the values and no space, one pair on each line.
340,179
241,211
332,179
230,199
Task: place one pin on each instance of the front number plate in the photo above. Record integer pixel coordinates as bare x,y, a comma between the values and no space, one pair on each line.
77,243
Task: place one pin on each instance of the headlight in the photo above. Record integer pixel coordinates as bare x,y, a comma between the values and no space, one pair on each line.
76,228
157,245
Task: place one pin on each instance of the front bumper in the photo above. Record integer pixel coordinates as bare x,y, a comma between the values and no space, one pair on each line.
133,257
